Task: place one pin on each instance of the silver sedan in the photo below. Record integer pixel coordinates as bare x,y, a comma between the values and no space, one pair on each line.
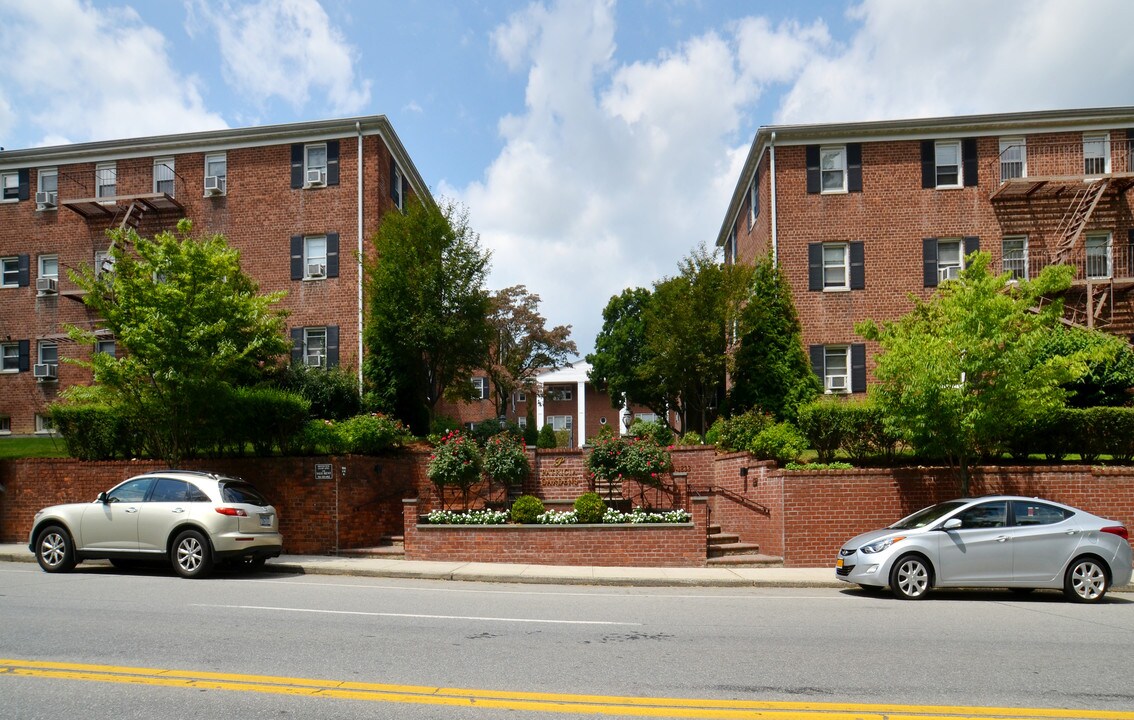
190,519
999,541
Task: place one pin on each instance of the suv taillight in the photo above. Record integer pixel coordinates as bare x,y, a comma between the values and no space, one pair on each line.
1118,530
232,512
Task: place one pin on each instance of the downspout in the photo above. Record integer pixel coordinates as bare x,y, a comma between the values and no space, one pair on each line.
772,172
358,127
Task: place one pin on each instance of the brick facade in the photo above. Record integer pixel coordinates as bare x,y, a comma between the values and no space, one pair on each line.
892,213
259,213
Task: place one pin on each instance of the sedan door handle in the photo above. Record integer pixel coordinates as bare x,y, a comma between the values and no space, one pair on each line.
1001,538
131,509
1072,532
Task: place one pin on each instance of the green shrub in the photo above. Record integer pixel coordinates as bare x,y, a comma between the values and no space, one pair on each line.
531,432
505,460
691,438
318,437
657,431
266,418
526,509
372,434
90,432
824,424
455,462
440,426
737,432
589,508
546,439
332,392
713,434
629,458
819,466
780,442
562,438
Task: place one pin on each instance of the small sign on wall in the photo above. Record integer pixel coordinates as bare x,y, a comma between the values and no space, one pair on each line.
324,471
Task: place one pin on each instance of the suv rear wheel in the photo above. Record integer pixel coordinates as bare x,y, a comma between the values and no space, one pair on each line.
192,555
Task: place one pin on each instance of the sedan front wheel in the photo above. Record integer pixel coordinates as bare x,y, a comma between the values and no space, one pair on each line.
911,578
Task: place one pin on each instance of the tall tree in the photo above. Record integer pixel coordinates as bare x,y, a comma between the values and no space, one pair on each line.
192,326
427,329
521,345
619,359
769,368
961,372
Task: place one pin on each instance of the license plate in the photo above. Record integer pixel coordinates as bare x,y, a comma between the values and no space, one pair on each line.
265,520
839,563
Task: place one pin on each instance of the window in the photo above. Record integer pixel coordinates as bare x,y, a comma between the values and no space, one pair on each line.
647,417
1013,158
521,397
835,267
1098,255
163,176
833,169
47,189
315,257
9,186
559,422
480,387
43,425
985,515
216,174
48,353
1031,512
131,491
522,421
103,262
106,180
397,193
947,160
730,248
754,199
170,490
1015,253
49,266
559,392
315,165
836,369
10,272
1096,153
10,357
5,425
950,259
315,347
106,347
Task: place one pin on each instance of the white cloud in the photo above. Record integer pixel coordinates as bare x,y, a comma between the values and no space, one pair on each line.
93,74
286,49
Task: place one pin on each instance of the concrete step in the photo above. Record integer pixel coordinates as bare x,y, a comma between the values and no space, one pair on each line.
388,552
734,548
723,538
753,560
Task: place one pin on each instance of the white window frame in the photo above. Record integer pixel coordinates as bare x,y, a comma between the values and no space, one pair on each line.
9,351
560,393
5,425
213,158
1013,151
836,383
832,161
647,417
1093,242
313,359
1018,266
943,269
43,425
41,175
106,172
10,183
311,256
937,164
308,165
43,262
754,199
480,384
1090,161
560,422
830,264
14,263
521,396
162,167
108,347
522,422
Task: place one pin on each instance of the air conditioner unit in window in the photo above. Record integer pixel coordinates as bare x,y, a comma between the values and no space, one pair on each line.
46,199
315,177
213,185
316,270
314,361
837,383
47,286
45,371
949,273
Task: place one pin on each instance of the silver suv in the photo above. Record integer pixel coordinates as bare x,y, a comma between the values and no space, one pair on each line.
191,519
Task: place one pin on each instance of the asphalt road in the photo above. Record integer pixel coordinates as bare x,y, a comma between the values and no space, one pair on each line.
102,643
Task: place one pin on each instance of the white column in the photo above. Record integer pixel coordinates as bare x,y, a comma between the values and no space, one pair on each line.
539,421
582,413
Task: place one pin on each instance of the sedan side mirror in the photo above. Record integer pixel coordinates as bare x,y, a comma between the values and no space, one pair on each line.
951,524
102,498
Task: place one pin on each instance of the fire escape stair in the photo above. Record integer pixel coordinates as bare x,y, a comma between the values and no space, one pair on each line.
1083,204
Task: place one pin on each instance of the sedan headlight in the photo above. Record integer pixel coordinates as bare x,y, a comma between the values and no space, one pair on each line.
880,545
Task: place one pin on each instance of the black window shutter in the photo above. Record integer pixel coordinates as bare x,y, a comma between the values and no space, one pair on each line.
857,266
969,159
858,368
929,261
819,362
972,244
24,178
332,162
854,167
297,165
928,164
296,257
814,183
25,355
815,266
297,346
332,255
23,266
332,346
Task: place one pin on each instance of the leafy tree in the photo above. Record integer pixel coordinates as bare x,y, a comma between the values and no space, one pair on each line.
192,327
620,353
428,328
961,372
521,345
769,368
1110,371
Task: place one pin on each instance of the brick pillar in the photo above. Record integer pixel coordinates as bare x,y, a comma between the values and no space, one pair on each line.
409,524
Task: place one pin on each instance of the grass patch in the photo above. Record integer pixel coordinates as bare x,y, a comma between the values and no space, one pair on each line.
32,447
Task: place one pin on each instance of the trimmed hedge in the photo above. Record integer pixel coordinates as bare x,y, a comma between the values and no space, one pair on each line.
854,427
92,432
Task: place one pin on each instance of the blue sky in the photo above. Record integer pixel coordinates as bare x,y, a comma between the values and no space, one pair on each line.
593,143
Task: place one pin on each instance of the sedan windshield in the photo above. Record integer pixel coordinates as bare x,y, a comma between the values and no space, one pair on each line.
929,515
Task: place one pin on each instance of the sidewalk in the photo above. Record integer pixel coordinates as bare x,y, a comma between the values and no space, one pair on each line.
534,574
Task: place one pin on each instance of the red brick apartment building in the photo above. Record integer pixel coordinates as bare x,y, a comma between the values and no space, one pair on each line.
299,201
861,215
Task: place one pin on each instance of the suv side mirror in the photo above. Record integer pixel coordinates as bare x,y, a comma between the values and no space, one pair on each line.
951,524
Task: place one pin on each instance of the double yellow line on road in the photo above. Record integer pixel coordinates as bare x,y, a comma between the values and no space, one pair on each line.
527,701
